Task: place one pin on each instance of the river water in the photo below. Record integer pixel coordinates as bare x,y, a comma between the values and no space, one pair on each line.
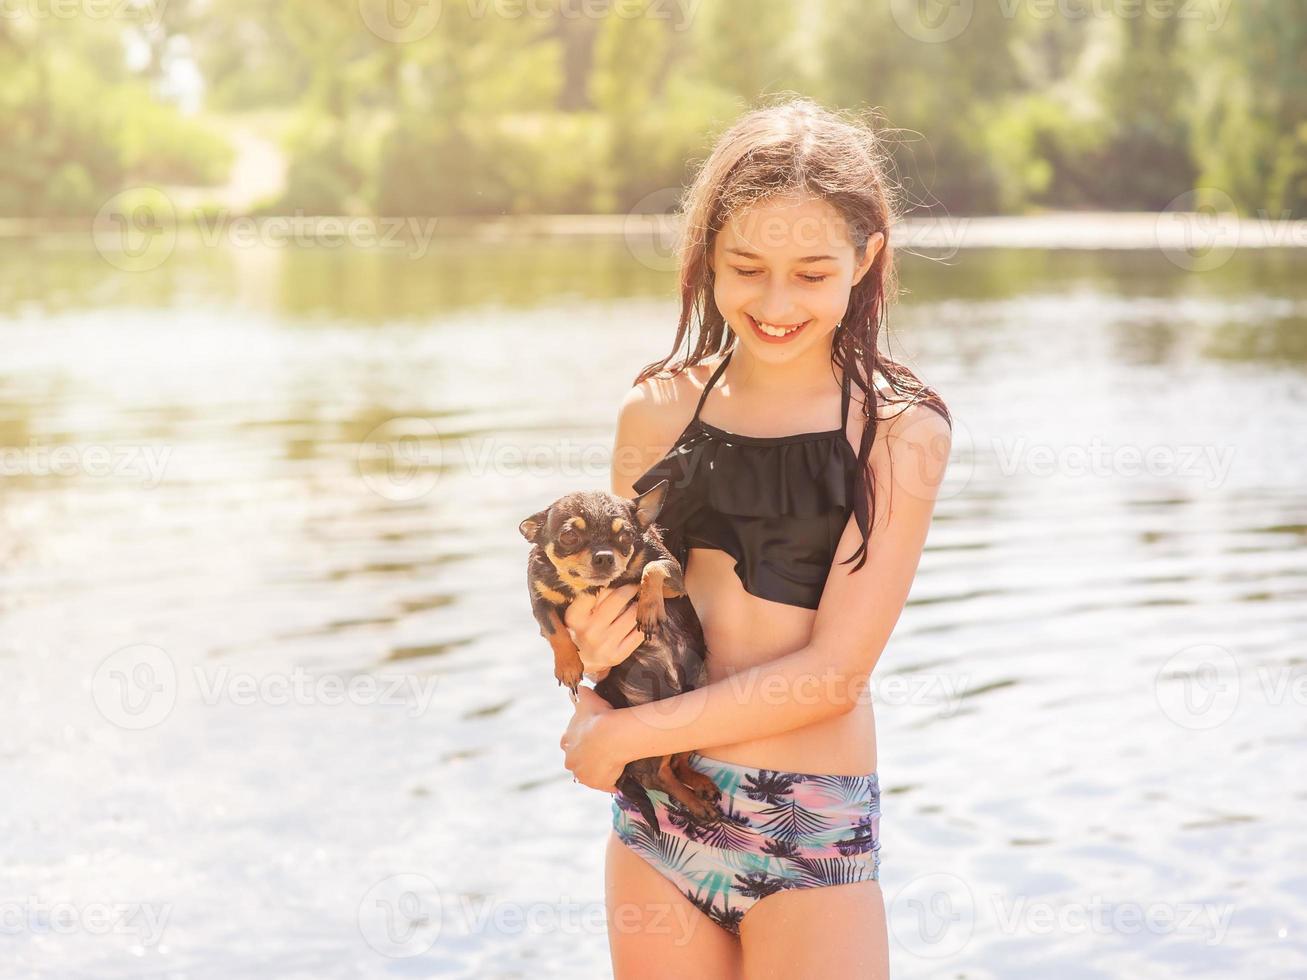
275,705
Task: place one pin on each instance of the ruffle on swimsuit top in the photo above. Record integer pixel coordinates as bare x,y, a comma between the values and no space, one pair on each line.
778,505
807,477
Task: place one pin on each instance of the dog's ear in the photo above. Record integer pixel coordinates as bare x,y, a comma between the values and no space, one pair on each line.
531,527
650,503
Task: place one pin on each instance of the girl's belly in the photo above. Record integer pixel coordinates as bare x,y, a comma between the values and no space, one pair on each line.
743,631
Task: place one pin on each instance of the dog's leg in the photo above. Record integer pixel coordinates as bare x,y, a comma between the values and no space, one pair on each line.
699,783
658,580
567,658
669,783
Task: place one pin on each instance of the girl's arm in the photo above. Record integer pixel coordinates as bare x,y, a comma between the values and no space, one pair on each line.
857,613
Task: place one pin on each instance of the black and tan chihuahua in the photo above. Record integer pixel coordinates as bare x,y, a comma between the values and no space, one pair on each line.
588,540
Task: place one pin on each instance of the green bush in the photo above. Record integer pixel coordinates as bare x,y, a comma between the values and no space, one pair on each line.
73,140
324,175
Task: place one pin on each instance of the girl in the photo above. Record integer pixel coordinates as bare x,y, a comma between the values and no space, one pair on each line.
786,270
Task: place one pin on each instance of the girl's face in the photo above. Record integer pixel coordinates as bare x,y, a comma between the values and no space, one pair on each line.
782,272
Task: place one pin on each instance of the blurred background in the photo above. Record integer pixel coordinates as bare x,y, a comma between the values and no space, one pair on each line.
304,306
490,107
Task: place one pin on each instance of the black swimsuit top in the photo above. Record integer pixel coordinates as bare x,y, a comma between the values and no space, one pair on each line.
777,504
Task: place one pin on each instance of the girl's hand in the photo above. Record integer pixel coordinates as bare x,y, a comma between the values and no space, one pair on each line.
588,754
603,627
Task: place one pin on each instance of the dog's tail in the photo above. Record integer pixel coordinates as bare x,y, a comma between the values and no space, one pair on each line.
636,793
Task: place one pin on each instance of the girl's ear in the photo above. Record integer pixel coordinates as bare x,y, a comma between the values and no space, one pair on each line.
874,245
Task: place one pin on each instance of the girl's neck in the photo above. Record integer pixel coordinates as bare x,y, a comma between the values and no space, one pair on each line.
811,371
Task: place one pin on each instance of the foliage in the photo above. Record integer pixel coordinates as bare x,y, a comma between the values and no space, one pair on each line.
568,106
78,127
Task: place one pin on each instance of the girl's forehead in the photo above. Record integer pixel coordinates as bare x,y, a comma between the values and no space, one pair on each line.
786,227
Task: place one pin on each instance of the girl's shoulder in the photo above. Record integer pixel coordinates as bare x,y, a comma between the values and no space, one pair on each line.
652,417
858,397
661,406
677,393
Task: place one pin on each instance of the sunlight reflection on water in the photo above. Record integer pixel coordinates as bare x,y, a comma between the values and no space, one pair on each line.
297,475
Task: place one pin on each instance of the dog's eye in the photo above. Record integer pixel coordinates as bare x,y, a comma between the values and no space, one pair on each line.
568,537
625,540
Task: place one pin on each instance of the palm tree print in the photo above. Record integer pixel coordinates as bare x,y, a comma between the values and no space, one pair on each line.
791,820
777,831
759,884
780,848
863,838
847,790
726,917
815,872
732,831
770,786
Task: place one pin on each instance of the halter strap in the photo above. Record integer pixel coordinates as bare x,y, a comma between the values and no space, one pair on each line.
844,391
844,401
712,381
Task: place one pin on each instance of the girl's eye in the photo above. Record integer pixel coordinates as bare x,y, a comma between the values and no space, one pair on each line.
750,273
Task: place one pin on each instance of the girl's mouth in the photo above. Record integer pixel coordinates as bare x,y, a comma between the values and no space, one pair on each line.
775,333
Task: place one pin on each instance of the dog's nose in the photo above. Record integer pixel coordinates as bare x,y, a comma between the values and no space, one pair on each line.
602,559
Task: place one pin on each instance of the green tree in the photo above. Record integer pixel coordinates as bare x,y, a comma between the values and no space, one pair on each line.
629,55
750,51
78,125
1143,94
1250,118
939,86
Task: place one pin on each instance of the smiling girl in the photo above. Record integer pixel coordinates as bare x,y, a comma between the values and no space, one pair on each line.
803,466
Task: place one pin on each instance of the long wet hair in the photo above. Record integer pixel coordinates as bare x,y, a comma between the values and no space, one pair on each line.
797,146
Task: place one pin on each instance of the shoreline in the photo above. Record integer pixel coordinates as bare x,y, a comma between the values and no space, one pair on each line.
1053,229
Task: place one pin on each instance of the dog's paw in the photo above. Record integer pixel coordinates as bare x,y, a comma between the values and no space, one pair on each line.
650,614
569,677
706,812
702,786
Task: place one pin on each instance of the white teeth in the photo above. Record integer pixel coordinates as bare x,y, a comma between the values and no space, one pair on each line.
771,331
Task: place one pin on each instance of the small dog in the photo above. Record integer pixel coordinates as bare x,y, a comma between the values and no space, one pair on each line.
584,542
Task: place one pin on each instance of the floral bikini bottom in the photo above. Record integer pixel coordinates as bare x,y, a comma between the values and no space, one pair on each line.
780,830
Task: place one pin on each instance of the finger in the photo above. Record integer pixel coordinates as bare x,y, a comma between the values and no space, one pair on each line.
611,650
578,611
632,643
616,601
627,622
630,640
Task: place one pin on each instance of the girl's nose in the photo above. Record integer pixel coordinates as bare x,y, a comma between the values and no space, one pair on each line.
776,307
